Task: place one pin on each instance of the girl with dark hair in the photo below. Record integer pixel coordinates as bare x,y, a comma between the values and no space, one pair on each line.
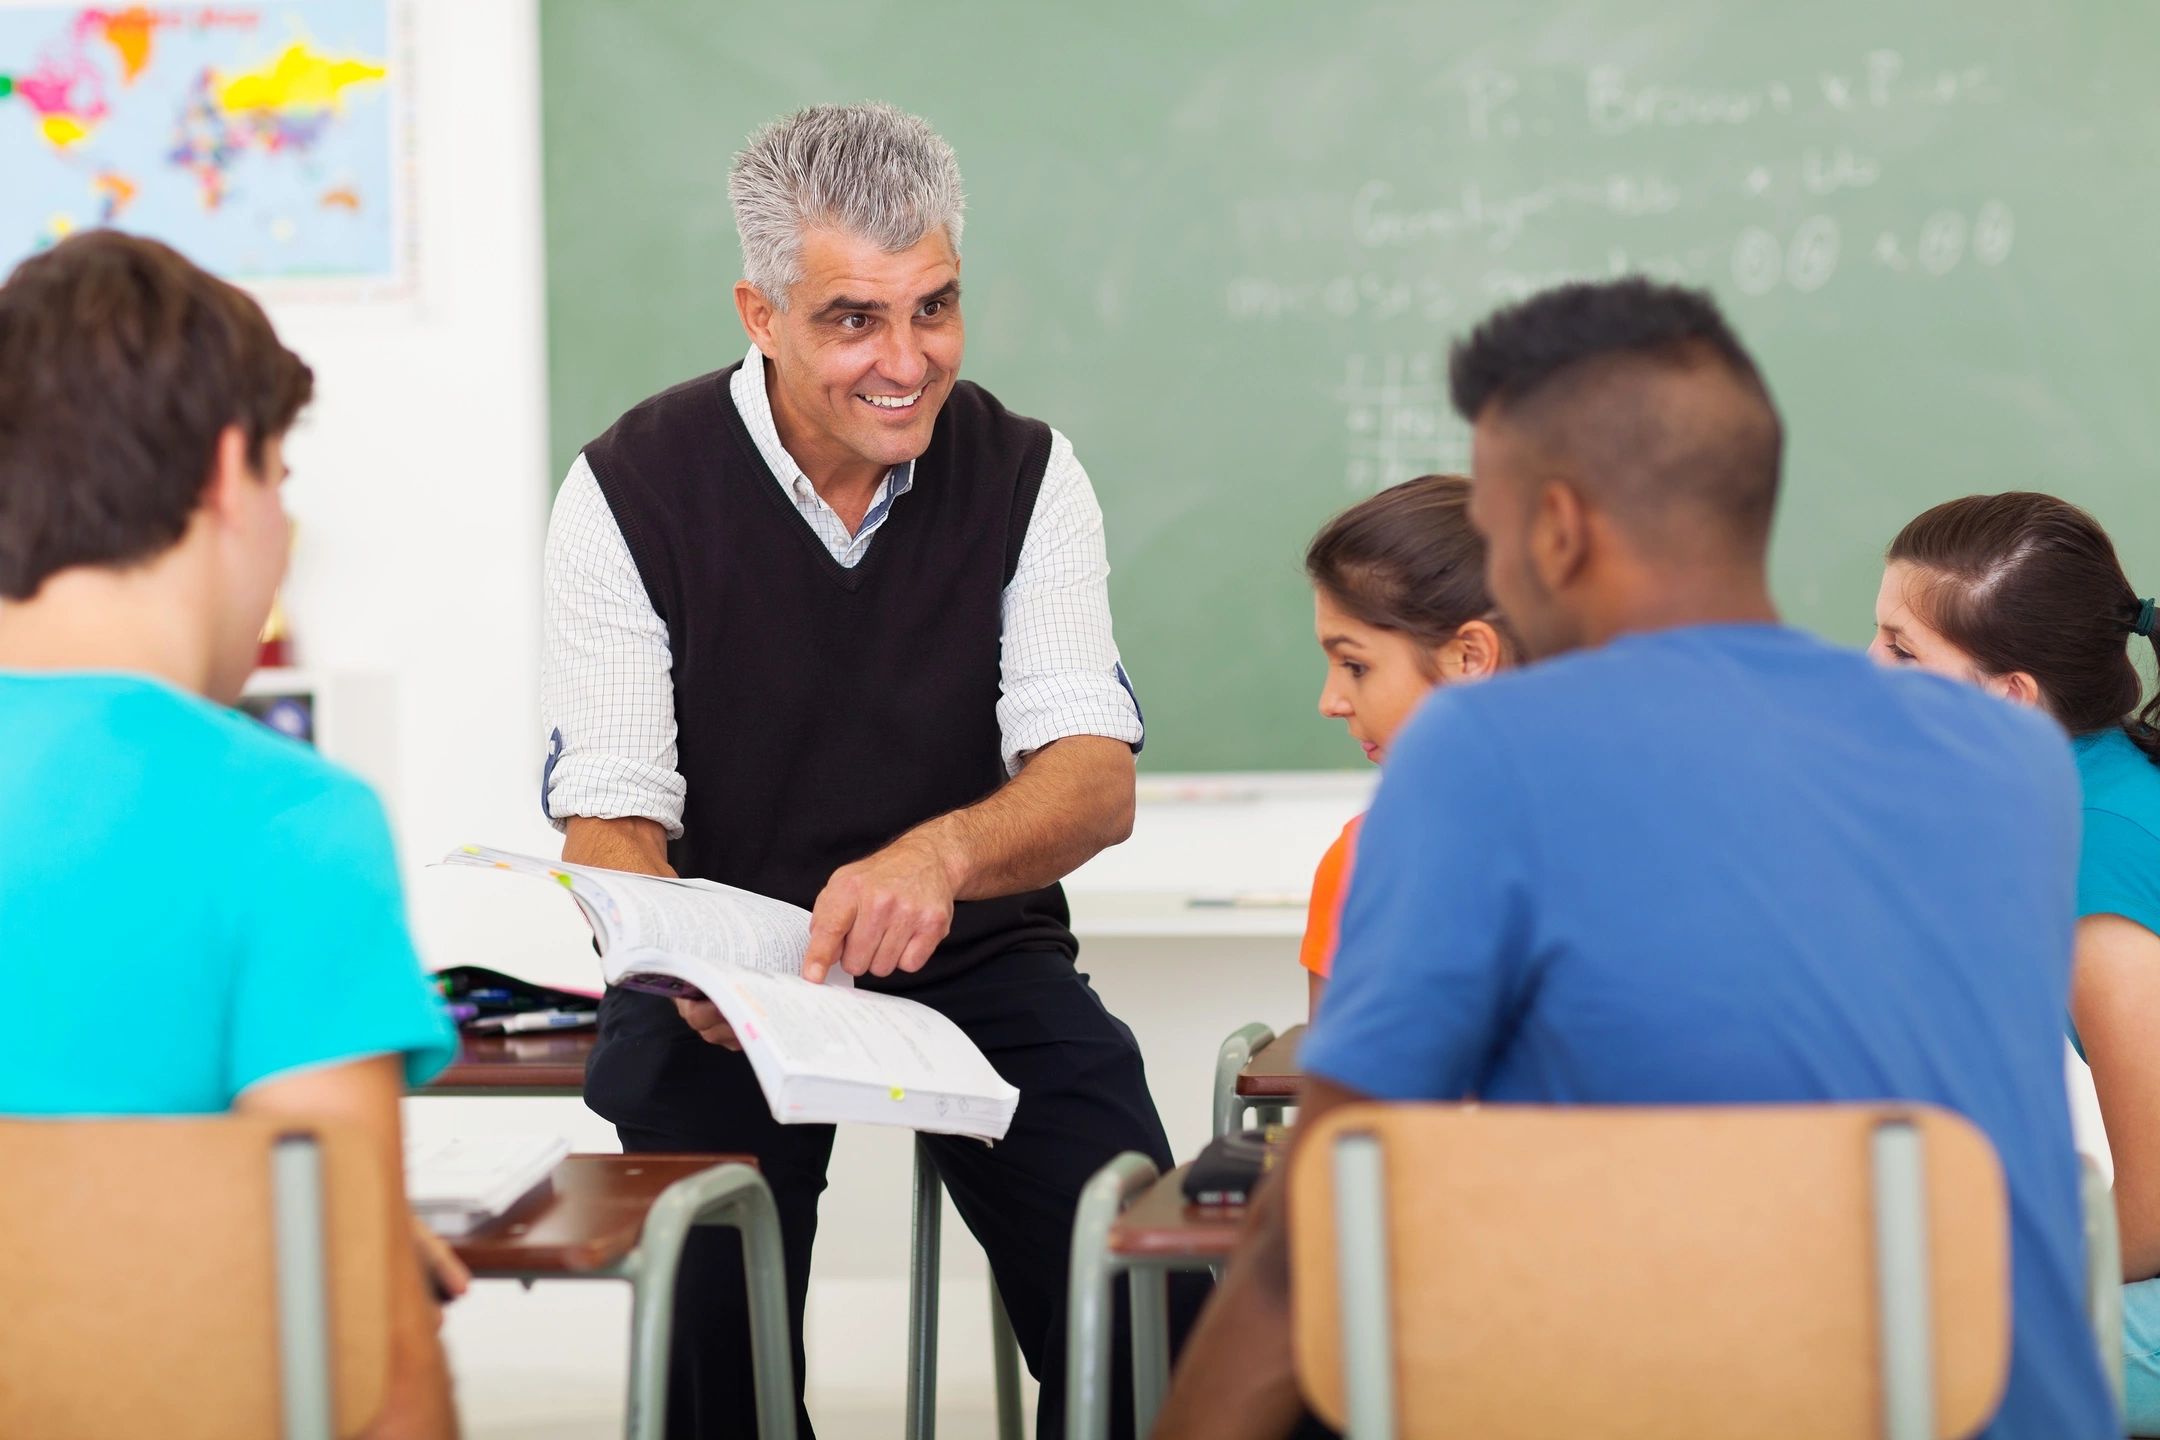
1399,607
2022,595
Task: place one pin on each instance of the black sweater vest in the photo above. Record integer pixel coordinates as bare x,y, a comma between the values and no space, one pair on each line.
821,711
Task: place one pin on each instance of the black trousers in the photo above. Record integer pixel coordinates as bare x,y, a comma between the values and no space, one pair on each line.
1083,1099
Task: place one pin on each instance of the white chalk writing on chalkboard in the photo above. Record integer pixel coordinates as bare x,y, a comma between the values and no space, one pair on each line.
1398,421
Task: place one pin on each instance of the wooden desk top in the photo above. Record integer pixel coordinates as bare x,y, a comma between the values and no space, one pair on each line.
1273,1073
546,1061
589,1221
1160,1225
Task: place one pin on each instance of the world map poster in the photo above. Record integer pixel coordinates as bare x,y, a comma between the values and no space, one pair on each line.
261,141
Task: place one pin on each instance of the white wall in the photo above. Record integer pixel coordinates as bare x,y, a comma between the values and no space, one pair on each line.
420,485
420,473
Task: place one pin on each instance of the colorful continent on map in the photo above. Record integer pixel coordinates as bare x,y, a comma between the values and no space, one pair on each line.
283,105
66,92
129,33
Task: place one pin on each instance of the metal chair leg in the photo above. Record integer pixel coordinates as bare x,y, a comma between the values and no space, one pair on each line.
923,1283
923,1298
731,1195
1368,1340
1237,1051
1089,1294
307,1399
1005,1357
1150,1289
1901,1282
2103,1275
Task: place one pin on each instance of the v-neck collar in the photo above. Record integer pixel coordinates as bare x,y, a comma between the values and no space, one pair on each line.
732,420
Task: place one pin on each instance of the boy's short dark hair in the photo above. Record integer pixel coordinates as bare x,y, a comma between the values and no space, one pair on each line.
1578,366
1516,351
120,365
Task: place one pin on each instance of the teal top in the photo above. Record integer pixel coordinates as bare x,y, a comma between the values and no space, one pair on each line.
2119,868
189,904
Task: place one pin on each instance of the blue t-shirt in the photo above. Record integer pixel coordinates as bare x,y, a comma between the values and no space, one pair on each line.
1734,864
189,903
2119,872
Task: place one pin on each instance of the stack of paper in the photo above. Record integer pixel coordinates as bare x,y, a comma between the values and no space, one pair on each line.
456,1186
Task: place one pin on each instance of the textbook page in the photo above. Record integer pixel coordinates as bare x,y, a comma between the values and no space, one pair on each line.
870,1039
828,1056
660,914
708,920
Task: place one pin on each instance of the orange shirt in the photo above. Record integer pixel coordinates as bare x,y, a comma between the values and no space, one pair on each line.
1323,915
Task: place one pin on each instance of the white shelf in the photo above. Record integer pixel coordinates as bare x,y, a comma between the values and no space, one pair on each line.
1155,914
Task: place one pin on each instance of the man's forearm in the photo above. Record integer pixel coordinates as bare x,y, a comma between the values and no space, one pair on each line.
888,912
1072,799
627,842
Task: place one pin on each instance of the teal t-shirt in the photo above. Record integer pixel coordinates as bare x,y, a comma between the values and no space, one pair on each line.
2119,868
189,903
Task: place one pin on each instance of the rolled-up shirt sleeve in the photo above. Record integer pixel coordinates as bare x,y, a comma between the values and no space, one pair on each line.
607,689
1061,674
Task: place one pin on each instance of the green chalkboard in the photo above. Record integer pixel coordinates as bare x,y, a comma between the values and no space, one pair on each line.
1223,246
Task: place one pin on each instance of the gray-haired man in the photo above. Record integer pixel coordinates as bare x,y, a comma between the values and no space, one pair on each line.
811,603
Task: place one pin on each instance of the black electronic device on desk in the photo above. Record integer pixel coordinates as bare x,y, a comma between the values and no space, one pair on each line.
1229,1170
484,1001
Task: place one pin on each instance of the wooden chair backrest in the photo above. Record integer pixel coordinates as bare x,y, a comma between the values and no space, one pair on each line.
138,1284
1651,1274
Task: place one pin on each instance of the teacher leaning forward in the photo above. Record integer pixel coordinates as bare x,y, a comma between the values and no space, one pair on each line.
832,625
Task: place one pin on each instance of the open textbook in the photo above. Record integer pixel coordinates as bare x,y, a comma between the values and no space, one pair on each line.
822,1053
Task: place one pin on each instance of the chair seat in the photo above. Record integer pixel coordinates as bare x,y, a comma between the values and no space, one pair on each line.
590,1219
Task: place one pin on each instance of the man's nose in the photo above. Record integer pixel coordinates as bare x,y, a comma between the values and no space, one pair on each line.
901,361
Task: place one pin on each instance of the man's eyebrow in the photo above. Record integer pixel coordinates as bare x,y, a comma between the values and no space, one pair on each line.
950,290
843,304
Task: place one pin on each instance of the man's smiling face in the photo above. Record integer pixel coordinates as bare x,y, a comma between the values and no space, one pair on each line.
867,350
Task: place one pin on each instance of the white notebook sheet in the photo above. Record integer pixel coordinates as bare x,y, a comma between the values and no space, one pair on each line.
458,1185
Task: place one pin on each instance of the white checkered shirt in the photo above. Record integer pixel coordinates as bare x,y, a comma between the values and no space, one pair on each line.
606,690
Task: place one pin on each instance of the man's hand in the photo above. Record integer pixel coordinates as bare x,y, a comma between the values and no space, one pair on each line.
883,913
704,1017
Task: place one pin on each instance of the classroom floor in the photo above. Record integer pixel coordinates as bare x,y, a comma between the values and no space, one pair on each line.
549,1364
832,1424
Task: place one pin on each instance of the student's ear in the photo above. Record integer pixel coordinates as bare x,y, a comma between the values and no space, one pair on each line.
2017,687
1477,648
1559,535
757,314
223,494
